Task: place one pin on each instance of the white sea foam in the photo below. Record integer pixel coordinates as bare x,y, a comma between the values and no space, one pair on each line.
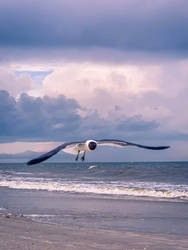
161,190
39,215
15,173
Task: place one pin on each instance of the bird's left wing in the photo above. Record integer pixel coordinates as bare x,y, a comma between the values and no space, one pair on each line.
51,153
120,143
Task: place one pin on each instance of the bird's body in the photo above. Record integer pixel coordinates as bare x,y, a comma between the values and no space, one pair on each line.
89,146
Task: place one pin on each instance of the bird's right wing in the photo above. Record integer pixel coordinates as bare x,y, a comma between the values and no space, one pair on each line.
121,143
51,153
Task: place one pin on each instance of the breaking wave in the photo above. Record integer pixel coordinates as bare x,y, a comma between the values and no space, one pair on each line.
139,189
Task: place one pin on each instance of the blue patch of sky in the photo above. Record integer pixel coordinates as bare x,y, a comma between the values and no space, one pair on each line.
37,76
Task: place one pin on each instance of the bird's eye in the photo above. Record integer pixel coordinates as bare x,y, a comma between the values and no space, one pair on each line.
92,145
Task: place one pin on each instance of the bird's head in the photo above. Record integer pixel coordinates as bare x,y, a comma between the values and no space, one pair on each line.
91,145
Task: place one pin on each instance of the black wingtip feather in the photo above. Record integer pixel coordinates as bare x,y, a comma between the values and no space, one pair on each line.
48,154
35,161
154,148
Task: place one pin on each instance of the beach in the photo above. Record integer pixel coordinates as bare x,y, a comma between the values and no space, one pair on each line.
87,222
17,233
109,206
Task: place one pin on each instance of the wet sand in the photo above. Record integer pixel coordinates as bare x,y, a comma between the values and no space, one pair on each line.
20,233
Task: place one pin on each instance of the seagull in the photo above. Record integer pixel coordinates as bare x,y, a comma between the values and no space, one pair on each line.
88,146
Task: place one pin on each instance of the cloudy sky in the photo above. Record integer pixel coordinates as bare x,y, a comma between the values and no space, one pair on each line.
72,70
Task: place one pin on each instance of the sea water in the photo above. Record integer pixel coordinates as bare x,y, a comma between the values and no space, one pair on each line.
107,195
163,180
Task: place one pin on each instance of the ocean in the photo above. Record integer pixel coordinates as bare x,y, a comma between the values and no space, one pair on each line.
137,196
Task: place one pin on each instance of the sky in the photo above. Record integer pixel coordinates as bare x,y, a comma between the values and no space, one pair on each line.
76,70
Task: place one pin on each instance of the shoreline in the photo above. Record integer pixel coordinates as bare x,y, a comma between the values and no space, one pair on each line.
135,215
19,232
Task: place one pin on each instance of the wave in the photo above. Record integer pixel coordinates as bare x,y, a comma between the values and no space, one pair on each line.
39,215
144,189
8,172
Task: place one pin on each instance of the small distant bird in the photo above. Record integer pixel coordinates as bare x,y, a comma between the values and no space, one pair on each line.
88,146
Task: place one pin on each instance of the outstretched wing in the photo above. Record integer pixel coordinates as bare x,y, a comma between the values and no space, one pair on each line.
119,143
51,153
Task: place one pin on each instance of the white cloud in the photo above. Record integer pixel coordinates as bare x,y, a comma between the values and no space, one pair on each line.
100,87
15,85
118,92
156,91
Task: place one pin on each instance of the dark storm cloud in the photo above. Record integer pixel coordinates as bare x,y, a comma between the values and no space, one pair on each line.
126,25
37,118
137,123
57,119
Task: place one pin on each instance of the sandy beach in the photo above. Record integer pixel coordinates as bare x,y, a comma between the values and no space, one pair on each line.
20,233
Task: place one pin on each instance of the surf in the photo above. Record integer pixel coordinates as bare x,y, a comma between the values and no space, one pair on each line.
129,189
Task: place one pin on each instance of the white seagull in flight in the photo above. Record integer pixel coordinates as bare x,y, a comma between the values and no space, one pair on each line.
88,146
